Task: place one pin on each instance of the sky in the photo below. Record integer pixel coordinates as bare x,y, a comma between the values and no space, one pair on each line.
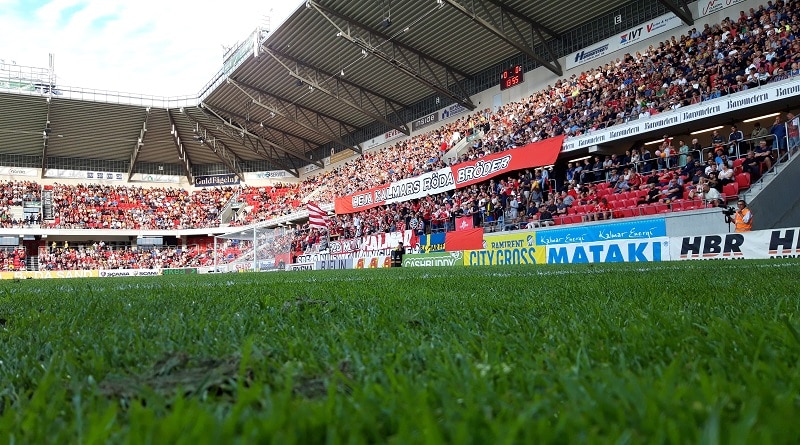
148,47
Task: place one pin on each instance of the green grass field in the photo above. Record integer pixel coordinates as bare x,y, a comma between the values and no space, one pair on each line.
696,352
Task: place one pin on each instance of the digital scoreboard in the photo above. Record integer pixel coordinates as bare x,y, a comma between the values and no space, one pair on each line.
511,77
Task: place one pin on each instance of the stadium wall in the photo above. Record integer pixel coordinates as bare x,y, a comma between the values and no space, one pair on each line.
773,206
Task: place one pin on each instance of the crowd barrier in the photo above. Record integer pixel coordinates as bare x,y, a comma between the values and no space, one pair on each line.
106,273
47,274
629,241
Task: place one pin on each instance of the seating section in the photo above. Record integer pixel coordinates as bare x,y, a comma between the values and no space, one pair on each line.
100,256
12,258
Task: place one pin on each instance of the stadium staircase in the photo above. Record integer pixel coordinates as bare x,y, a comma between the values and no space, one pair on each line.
230,208
32,264
311,196
461,146
774,198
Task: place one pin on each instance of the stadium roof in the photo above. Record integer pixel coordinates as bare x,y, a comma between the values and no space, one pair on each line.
332,68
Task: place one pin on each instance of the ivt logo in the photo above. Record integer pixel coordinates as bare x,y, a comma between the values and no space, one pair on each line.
631,36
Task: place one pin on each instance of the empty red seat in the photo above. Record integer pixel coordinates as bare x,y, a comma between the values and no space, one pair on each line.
743,180
661,208
692,204
731,189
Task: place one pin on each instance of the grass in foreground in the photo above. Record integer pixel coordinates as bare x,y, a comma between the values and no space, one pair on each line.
690,352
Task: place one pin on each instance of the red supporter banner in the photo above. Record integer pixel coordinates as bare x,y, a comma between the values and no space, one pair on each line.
467,239
535,154
464,223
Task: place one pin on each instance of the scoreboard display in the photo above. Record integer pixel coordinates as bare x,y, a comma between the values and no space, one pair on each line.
511,77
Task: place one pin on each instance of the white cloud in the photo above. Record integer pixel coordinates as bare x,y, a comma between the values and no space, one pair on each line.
149,47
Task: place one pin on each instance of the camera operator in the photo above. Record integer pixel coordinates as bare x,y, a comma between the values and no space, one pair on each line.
742,218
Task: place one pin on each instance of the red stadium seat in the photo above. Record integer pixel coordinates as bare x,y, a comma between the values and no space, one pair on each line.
730,190
692,204
661,208
743,180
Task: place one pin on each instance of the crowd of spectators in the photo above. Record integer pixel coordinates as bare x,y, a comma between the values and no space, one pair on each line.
17,194
12,259
102,206
100,256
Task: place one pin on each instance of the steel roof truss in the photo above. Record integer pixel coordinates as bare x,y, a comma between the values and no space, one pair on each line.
219,148
251,136
269,153
283,138
287,161
536,25
46,136
508,28
294,112
357,97
137,146
183,155
371,41
289,140
374,34
680,9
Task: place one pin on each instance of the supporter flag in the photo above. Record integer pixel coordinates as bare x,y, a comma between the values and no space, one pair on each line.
466,239
463,223
316,216
432,243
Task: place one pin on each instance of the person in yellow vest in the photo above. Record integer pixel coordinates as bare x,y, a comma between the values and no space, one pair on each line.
743,218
